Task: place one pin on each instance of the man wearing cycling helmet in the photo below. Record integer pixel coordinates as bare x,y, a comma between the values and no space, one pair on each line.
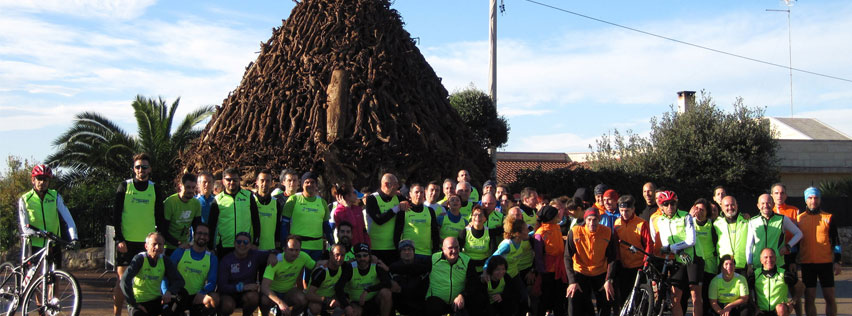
40,209
674,232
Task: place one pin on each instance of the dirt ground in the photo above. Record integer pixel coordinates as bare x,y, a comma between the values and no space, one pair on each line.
97,293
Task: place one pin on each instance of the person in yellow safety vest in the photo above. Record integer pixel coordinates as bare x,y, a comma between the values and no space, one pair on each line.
464,176
381,209
771,285
529,205
432,191
493,215
182,212
768,230
322,298
234,211
418,224
364,286
137,211
140,284
269,210
43,209
306,215
463,190
453,283
199,269
732,229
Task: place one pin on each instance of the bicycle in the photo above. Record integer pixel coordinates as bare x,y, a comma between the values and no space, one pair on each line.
642,301
53,292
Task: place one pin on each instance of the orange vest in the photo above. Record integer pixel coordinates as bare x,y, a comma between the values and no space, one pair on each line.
590,258
791,212
601,208
815,244
631,231
653,219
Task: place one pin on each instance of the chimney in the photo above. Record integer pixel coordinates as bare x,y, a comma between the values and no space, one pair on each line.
685,101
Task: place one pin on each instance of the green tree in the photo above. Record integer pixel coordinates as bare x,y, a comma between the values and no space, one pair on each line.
836,188
490,130
14,182
95,146
694,151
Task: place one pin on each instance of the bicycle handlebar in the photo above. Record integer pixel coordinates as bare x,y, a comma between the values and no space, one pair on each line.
46,234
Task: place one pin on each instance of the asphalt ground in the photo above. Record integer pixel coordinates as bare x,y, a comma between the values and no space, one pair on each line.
97,292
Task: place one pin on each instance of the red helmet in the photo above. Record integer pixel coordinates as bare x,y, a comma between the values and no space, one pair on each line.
42,170
666,196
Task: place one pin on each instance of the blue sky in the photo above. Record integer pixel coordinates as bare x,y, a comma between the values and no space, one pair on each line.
563,80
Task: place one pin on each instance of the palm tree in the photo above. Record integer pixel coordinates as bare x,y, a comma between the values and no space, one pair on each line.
95,146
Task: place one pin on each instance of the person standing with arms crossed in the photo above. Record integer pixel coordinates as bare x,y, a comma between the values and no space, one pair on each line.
137,210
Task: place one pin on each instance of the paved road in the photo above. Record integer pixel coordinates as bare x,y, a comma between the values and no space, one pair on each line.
97,293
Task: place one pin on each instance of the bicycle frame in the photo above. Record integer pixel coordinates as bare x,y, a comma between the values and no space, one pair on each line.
650,274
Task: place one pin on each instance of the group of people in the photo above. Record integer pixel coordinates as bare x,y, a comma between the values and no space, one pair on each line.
446,247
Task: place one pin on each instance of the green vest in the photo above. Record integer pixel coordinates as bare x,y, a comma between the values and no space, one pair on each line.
512,258
307,220
675,231
767,234
466,210
146,284
268,214
447,281
42,214
770,291
180,215
496,289
525,258
732,239
529,219
326,289
194,272
358,283
418,228
450,228
474,195
495,220
137,218
381,236
705,247
477,248
234,217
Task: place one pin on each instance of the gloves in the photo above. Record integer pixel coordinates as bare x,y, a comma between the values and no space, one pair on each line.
666,249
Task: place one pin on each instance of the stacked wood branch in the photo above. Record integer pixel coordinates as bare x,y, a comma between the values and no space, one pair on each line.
341,89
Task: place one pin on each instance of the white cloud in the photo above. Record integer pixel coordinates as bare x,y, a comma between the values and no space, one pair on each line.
108,9
558,142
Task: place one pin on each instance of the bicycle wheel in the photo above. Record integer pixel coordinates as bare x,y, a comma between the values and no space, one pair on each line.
9,283
643,301
62,293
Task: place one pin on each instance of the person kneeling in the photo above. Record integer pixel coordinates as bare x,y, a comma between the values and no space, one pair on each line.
367,286
729,291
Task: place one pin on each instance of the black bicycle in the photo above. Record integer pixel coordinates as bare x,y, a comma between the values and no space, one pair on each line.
52,292
642,301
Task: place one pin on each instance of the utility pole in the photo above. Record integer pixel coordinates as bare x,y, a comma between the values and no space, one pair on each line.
492,73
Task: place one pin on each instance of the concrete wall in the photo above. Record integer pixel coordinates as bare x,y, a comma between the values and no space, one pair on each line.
808,162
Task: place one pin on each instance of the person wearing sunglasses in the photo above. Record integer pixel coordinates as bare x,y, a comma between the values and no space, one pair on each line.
237,279
674,233
234,211
43,209
366,287
138,211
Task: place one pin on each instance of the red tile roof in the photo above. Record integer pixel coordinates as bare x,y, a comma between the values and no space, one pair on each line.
508,163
